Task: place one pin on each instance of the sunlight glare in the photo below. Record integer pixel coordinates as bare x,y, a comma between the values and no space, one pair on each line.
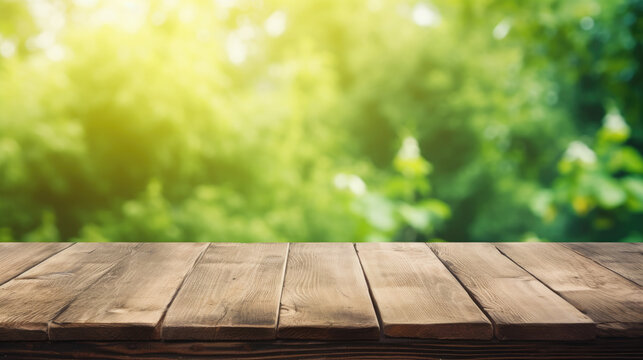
276,24
586,23
425,15
578,151
501,30
350,182
7,48
236,49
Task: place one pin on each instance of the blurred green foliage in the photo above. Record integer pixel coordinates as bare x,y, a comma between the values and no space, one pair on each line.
372,120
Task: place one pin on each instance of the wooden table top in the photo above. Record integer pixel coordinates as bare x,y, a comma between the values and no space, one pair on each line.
320,291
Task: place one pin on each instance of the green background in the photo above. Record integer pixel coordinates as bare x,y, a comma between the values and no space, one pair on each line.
290,120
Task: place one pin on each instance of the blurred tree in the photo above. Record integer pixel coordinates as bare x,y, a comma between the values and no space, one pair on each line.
237,120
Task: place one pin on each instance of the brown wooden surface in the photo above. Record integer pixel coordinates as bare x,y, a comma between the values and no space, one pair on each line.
417,297
127,303
325,295
626,259
297,349
30,301
192,292
519,305
232,293
16,258
613,302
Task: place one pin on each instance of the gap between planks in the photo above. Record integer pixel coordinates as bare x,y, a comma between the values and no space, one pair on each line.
25,259
416,296
612,301
521,307
233,293
128,301
325,295
371,295
160,324
605,255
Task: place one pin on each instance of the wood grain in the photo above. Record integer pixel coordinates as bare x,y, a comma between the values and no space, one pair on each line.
15,258
625,259
31,300
325,295
297,349
232,293
519,305
128,302
416,296
113,291
613,302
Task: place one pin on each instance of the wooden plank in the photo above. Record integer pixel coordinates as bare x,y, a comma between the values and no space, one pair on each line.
614,303
232,293
128,302
625,259
299,349
30,301
416,296
16,258
519,305
325,295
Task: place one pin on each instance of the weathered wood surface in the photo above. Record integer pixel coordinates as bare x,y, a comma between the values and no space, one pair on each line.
613,302
417,297
16,258
30,301
297,349
519,305
402,298
232,293
626,259
128,301
325,295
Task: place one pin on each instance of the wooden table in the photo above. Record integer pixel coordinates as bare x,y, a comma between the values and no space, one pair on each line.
329,300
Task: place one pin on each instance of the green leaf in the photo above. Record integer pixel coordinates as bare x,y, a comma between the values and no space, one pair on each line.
608,192
418,218
627,159
377,210
634,187
437,208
